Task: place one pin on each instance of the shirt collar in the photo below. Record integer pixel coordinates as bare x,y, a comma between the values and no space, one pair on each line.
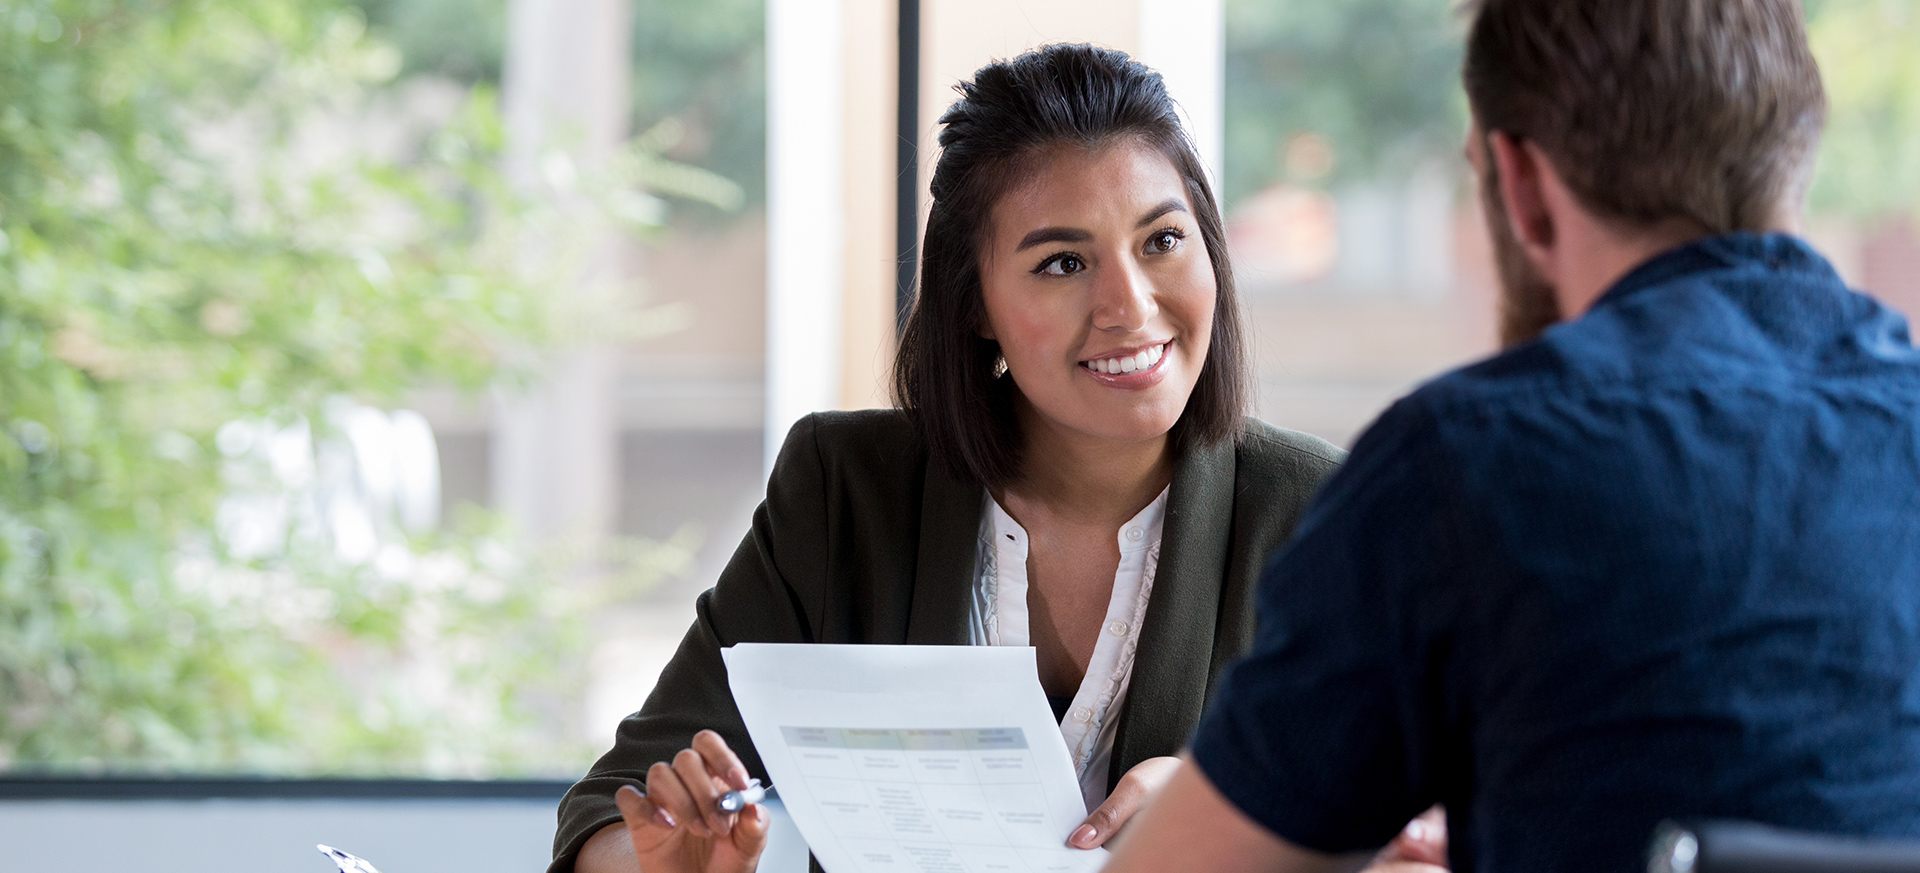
1140,532
1143,530
1769,251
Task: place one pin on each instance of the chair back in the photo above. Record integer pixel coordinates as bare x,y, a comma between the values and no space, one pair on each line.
1749,847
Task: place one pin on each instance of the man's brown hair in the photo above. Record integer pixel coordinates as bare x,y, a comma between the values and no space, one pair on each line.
1652,110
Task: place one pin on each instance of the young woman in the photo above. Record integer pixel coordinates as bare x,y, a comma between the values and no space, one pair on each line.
1071,468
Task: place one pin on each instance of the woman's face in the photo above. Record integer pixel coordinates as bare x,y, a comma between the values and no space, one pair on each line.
1098,288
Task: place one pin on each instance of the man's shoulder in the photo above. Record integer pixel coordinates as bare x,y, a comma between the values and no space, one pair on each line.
1512,403
1606,353
1564,366
1524,402
1720,314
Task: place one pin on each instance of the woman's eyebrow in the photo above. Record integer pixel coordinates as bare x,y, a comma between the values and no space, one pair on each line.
1171,204
1052,234
1069,234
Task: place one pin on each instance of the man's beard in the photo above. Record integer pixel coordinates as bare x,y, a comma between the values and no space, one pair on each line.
1527,303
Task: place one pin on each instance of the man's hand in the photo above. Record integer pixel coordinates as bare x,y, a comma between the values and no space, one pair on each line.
1191,826
1129,796
677,826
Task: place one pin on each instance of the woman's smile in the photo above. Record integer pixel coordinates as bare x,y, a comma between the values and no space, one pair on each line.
1130,368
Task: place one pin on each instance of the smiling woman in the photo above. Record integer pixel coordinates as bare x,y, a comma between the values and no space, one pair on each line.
1013,143
1107,334
1071,468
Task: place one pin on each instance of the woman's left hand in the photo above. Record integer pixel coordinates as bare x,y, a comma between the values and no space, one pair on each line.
1129,796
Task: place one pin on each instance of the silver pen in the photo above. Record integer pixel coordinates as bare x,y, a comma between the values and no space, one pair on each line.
734,801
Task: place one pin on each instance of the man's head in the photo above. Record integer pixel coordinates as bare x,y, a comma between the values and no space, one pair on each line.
1653,115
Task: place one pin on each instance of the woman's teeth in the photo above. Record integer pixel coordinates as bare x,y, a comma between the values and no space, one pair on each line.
1127,363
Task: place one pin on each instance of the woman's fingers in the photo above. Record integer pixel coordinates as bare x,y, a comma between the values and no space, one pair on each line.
1404,867
750,834
1423,840
1425,837
1129,795
647,825
704,789
666,790
642,810
720,759
685,794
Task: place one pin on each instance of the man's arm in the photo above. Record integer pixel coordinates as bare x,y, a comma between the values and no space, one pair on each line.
1192,826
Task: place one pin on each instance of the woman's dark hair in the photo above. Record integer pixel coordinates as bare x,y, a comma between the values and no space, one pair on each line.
1006,118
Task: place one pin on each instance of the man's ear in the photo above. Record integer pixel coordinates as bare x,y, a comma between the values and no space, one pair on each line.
1521,169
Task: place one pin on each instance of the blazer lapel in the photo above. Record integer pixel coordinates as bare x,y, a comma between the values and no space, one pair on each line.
943,573
1170,672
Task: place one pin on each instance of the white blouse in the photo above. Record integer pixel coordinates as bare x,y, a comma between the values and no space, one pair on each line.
999,618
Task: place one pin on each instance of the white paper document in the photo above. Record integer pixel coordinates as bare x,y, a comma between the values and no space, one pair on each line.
923,759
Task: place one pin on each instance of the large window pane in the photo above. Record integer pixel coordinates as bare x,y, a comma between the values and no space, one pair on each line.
1355,229
270,287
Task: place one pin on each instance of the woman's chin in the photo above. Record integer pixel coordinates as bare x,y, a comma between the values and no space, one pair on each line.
1130,426
1120,417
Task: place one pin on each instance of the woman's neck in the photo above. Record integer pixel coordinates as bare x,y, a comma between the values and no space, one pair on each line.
1086,478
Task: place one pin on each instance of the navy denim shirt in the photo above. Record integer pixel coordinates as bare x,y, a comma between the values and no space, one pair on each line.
1662,562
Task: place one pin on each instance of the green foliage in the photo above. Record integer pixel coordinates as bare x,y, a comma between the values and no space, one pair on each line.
462,39
1378,79
1869,53
704,65
192,233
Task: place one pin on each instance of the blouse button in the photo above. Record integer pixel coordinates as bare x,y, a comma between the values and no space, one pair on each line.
1083,715
1134,534
1117,628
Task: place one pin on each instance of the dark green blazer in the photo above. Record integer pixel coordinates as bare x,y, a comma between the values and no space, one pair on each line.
863,540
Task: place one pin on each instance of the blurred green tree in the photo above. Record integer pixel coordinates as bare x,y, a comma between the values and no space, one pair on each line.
1376,80
1869,53
1379,80
704,66
465,40
192,235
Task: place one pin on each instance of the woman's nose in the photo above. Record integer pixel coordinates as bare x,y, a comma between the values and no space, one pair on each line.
1122,298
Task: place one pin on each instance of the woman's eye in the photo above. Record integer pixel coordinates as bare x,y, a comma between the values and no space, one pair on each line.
1164,242
1061,265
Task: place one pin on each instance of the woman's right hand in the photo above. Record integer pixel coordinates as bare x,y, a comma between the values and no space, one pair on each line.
677,826
1421,846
